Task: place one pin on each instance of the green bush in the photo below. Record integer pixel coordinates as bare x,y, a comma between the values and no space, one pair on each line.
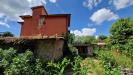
109,62
20,64
77,68
121,37
58,68
25,63
114,60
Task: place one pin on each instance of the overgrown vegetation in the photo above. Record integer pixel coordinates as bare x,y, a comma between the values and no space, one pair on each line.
12,63
122,36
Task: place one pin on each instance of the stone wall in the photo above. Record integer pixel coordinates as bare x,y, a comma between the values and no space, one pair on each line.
45,49
50,49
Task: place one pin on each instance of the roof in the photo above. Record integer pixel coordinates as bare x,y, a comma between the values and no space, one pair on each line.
21,22
101,43
79,44
57,15
26,16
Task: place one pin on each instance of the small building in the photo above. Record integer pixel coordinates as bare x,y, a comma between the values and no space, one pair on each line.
46,32
44,24
84,49
88,49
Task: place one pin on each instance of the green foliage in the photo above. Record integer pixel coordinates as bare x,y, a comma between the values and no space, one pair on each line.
71,38
94,66
6,56
13,63
110,65
113,61
58,68
85,39
121,33
7,34
122,36
108,60
102,37
73,49
19,64
77,68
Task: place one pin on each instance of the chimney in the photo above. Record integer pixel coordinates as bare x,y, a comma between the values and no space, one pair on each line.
39,10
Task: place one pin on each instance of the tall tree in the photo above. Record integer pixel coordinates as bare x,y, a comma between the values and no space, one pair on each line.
121,33
102,37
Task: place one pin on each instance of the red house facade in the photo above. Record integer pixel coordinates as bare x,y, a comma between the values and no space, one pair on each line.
41,23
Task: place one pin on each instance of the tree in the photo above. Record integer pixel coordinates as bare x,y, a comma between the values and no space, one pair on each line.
7,34
85,39
122,33
102,37
71,38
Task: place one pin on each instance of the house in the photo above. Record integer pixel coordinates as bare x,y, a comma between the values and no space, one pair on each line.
44,24
46,33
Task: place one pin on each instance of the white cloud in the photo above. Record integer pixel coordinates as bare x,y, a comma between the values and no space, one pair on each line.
4,24
53,1
36,2
102,15
12,9
119,4
84,32
3,21
91,3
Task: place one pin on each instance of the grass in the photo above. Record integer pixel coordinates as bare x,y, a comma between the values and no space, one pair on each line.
123,60
94,66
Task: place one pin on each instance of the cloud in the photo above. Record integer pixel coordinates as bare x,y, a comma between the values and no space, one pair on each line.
84,32
3,21
12,9
4,24
91,3
53,1
102,15
36,2
119,4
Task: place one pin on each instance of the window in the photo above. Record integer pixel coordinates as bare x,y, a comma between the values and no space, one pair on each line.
41,21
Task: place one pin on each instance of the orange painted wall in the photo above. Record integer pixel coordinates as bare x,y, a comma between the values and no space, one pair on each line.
25,28
53,25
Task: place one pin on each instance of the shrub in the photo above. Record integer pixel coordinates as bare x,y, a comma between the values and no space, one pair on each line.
77,68
20,64
58,68
109,62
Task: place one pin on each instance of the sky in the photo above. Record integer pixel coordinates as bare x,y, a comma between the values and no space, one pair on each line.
88,17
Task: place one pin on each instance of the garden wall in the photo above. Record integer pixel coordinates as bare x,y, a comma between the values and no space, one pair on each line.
49,49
